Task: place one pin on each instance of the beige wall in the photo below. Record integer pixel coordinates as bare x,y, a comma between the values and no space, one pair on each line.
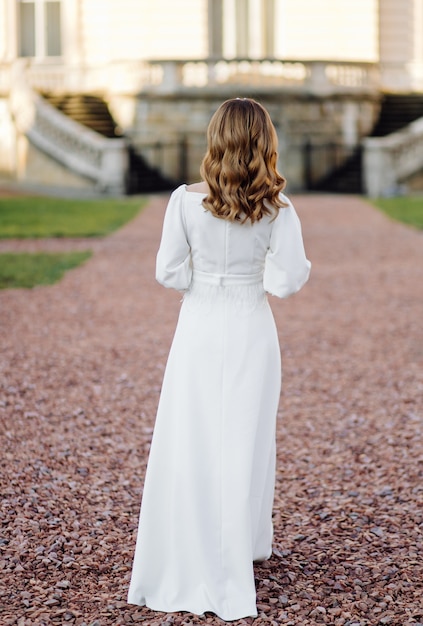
401,43
396,28
327,29
312,29
97,31
3,30
140,29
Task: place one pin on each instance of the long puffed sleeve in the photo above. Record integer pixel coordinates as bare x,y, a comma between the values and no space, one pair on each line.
173,263
286,267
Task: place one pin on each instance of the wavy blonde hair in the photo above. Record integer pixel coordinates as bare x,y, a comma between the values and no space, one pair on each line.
240,163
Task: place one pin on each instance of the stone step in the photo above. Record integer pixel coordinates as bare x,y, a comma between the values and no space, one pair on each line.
91,111
397,111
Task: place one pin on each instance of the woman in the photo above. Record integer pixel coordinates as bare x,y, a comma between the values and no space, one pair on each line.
206,513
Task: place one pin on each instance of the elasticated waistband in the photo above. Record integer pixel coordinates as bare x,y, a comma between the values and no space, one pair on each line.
225,280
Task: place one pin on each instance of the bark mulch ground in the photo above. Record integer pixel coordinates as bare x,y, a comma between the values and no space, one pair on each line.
81,368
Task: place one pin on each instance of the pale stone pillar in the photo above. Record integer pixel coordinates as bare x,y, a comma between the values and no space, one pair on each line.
114,167
72,43
8,30
401,44
350,120
255,43
417,64
229,34
378,169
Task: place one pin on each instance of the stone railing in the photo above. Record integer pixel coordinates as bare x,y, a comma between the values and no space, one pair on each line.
388,161
121,77
89,154
169,76
173,76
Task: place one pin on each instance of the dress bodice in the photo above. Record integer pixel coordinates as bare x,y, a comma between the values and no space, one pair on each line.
194,240
224,247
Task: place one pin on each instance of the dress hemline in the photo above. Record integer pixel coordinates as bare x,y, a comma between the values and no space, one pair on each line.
225,618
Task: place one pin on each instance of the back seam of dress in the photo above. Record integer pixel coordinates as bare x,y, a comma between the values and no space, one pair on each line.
225,248
184,215
223,562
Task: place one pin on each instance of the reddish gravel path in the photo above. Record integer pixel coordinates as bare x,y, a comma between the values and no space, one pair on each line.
81,368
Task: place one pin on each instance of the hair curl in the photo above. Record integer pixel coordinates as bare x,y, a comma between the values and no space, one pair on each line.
240,163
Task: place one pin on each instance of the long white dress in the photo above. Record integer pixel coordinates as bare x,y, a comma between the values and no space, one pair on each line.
206,510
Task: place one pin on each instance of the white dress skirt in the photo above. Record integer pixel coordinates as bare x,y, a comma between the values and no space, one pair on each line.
206,510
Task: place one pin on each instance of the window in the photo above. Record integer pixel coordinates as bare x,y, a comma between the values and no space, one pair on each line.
39,28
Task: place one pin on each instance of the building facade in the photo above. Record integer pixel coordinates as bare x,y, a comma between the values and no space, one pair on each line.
89,34
327,60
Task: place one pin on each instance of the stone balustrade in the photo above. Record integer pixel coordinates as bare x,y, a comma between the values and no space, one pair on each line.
389,161
89,154
173,76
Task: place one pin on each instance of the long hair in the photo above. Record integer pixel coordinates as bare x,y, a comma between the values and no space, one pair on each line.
240,163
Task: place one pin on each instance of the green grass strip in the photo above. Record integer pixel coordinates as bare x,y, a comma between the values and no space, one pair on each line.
406,209
28,270
36,217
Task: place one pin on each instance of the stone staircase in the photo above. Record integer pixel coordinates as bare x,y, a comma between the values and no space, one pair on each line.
345,179
92,112
142,178
397,111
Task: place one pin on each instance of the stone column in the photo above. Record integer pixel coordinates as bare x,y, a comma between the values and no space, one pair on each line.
8,30
401,44
72,44
229,34
255,48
